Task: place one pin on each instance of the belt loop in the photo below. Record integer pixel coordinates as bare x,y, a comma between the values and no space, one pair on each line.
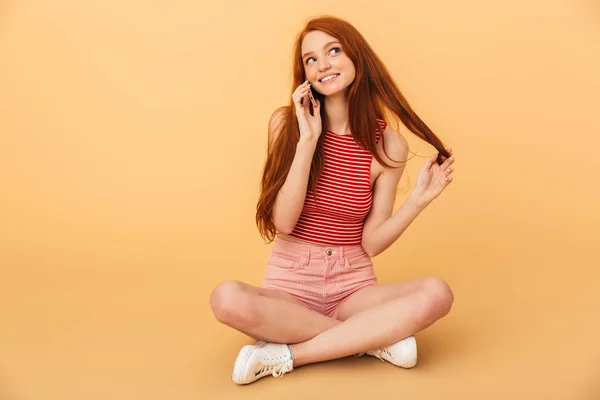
341,249
345,260
306,256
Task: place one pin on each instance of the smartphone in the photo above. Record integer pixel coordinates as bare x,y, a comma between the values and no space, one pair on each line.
312,99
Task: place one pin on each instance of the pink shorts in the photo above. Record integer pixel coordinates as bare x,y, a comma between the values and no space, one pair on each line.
319,277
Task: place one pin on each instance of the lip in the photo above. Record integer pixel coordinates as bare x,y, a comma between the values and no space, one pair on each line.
330,80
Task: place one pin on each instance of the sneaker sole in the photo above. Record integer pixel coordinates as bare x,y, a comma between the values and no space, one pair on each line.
240,362
411,343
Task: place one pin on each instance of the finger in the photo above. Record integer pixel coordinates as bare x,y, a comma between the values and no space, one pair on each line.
302,86
297,91
298,98
305,101
431,161
298,103
448,150
447,163
300,108
427,165
300,89
298,95
302,92
312,98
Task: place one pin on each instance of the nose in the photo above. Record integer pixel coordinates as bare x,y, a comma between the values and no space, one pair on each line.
324,65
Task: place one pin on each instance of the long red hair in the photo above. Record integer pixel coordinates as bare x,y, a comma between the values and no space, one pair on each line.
372,92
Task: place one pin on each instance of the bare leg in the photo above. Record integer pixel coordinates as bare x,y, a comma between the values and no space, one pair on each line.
266,314
372,324
277,317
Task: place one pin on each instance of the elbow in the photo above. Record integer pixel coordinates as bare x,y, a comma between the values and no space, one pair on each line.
371,253
368,249
285,231
371,247
283,228
284,223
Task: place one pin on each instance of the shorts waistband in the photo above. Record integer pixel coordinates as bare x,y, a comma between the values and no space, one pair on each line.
310,251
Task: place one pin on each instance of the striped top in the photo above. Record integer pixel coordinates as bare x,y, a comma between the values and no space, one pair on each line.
343,194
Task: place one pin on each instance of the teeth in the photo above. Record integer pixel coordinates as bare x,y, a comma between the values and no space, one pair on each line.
328,77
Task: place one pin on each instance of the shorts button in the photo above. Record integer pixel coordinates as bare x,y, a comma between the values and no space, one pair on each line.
328,252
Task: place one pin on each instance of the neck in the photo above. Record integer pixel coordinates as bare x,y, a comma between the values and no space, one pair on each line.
336,108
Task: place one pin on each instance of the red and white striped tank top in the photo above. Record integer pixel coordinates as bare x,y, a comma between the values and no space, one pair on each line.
343,194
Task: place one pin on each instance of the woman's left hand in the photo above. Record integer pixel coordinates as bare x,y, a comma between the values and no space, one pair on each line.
433,179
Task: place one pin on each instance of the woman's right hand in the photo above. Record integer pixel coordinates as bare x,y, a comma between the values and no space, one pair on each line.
310,126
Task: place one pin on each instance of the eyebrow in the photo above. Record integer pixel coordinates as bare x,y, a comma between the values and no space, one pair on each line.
326,44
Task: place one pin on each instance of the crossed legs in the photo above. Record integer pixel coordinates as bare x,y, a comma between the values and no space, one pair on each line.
374,317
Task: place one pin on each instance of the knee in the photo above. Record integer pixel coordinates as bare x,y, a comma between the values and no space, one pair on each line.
231,304
439,298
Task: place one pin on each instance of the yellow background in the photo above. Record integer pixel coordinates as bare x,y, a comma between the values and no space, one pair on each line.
132,138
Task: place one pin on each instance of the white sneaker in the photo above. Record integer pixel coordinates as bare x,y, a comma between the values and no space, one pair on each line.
256,361
402,353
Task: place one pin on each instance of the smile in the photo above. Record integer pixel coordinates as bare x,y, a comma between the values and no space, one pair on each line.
329,78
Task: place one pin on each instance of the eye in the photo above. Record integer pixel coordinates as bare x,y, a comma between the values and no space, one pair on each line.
333,48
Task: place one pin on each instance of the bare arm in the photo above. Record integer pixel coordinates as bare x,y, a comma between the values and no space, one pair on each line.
290,199
381,228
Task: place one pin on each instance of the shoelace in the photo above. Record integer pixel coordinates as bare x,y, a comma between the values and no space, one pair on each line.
275,366
375,353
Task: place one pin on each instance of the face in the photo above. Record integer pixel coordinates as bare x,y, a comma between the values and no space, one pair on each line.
322,56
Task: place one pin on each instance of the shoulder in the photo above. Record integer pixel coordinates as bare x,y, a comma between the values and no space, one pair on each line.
395,145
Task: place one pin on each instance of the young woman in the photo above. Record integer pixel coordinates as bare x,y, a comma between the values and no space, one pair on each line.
328,191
